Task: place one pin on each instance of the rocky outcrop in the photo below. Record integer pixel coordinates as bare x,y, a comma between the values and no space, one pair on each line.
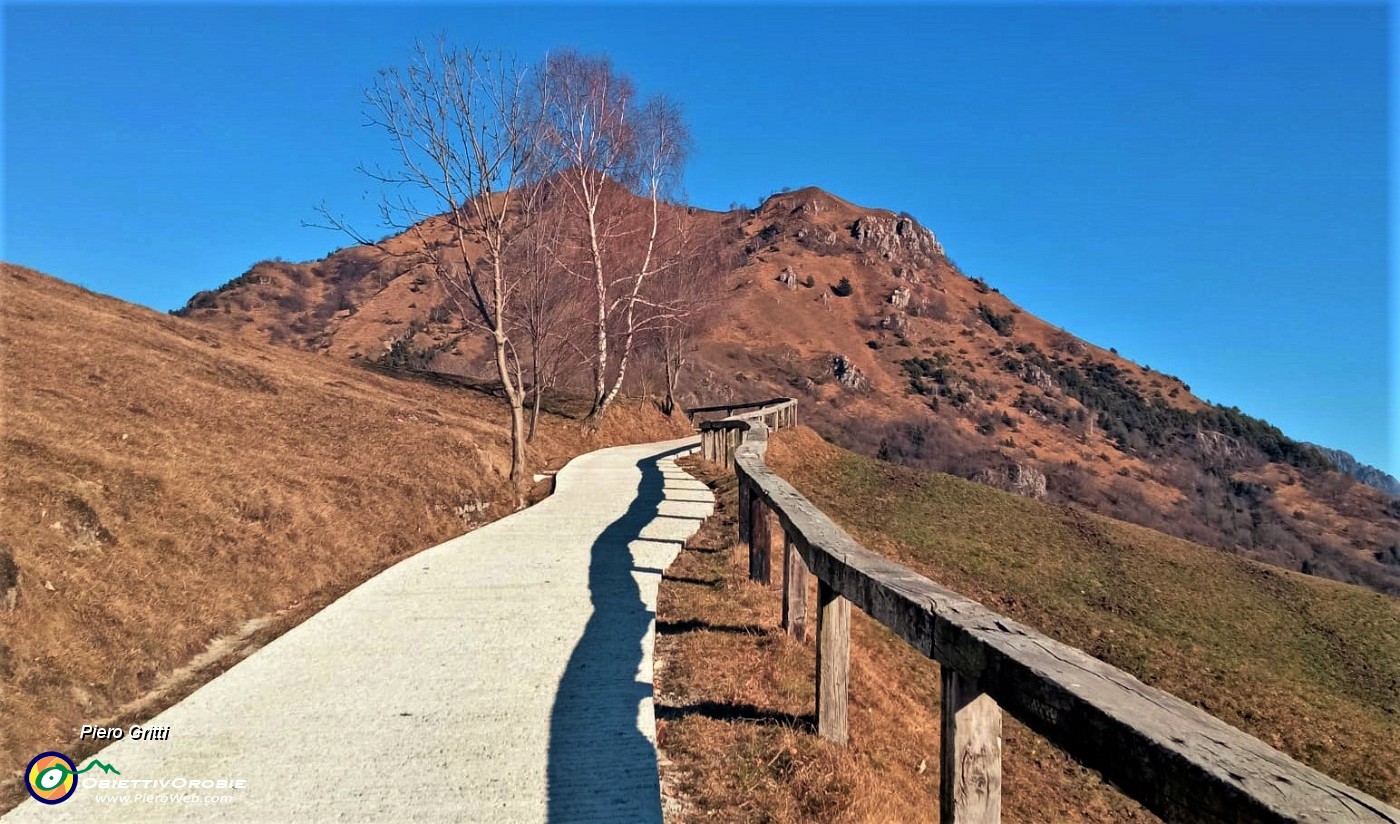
896,236
848,375
935,307
1018,478
788,278
1218,450
899,299
1039,378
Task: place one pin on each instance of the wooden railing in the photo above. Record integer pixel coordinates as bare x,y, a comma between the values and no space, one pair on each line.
728,410
719,439
1174,759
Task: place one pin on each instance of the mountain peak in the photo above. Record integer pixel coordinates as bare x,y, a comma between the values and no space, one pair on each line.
880,229
807,200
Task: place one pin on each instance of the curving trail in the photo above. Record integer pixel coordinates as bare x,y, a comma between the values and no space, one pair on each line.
503,676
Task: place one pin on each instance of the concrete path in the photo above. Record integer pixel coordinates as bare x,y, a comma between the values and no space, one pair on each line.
504,676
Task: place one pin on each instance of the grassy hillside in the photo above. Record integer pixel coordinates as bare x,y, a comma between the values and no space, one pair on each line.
736,725
1309,666
174,495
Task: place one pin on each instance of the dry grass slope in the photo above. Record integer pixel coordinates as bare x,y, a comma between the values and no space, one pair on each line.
173,495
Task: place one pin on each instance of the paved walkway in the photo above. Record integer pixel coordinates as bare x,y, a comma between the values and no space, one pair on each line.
504,676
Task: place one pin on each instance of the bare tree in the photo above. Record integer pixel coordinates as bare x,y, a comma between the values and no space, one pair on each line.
686,303
661,141
547,311
464,125
616,161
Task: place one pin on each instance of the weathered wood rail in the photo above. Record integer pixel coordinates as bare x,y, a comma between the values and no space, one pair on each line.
728,410
720,438
1174,759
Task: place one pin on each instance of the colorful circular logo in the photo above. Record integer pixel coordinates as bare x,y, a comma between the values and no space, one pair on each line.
51,777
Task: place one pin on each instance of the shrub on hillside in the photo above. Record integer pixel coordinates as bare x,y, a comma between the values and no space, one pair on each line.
927,374
400,354
1003,324
292,302
843,289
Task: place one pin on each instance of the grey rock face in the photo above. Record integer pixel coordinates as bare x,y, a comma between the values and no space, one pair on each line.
910,274
1219,450
1365,473
894,236
1039,378
847,374
1018,478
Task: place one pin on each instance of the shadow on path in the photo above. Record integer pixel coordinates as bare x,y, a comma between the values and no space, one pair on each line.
601,767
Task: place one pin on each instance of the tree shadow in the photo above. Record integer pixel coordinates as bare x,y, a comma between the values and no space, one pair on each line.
601,766
686,579
692,625
739,713
564,404
695,518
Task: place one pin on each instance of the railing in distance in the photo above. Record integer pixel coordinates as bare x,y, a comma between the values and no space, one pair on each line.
720,438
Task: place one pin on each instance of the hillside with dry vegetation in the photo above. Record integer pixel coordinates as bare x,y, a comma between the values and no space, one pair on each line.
1308,666
896,353
175,496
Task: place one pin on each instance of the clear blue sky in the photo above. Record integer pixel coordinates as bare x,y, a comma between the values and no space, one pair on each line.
1203,187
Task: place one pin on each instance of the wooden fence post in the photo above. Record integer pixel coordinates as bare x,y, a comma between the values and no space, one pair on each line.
765,532
970,770
794,592
833,662
744,513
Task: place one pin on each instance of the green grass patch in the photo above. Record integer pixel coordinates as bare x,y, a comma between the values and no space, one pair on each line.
1308,665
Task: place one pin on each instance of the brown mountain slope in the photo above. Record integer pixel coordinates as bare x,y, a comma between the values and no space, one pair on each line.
913,361
172,495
